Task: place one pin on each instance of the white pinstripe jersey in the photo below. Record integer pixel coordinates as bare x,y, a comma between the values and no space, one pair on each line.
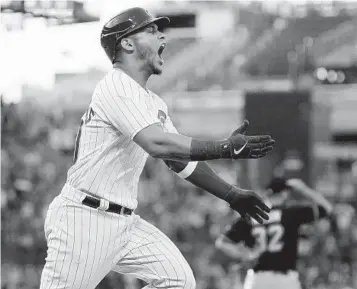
107,162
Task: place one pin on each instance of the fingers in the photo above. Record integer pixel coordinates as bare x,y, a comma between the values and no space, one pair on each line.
245,125
259,138
260,152
260,144
257,209
257,218
267,149
258,215
257,156
242,129
261,148
261,213
270,143
259,202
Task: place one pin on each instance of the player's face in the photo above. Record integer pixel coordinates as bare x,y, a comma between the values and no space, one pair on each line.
149,45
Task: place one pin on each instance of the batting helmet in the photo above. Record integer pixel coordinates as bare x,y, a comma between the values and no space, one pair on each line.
125,23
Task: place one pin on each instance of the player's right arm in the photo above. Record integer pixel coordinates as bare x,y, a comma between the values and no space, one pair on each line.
319,208
122,102
164,145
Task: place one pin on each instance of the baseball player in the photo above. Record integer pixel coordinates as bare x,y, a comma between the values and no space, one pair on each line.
271,248
91,227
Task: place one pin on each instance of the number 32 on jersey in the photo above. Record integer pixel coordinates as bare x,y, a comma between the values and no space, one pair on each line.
269,238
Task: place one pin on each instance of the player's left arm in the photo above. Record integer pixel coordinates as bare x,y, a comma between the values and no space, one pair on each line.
199,174
321,206
203,176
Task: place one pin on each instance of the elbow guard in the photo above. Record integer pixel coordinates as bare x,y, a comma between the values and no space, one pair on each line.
182,169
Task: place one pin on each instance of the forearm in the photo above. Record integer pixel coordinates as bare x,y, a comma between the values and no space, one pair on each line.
247,203
178,147
172,146
313,195
202,176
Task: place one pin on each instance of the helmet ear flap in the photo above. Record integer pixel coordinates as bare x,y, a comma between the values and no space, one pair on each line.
112,32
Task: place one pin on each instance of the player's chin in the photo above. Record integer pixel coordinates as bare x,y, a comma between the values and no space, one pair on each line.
158,68
157,71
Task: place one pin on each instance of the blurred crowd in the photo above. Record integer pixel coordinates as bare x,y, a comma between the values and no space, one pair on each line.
36,153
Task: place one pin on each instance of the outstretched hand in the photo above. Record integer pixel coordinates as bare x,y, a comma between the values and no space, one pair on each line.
248,204
249,147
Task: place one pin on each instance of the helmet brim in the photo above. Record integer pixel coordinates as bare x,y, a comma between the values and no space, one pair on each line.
161,23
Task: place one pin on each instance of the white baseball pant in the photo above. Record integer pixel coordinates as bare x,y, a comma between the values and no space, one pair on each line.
85,244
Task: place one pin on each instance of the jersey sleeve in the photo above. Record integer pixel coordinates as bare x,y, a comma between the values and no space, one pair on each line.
238,231
122,102
170,126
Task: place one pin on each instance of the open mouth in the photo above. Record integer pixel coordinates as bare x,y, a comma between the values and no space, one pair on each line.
161,49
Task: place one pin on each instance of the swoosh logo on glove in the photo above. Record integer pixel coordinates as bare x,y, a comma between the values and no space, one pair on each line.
237,152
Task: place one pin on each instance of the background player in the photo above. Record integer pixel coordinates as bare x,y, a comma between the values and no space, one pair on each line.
270,249
91,227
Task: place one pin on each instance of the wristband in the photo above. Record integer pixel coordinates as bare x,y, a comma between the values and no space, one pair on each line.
202,150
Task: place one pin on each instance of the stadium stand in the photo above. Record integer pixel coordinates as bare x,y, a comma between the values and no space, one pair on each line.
223,66
273,60
256,22
343,34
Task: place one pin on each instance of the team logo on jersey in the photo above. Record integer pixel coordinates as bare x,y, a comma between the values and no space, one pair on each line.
161,116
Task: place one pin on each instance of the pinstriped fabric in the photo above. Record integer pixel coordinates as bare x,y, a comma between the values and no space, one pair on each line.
53,220
119,112
170,248
84,244
141,248
151,256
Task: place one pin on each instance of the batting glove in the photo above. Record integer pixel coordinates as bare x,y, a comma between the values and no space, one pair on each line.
249,147
248,204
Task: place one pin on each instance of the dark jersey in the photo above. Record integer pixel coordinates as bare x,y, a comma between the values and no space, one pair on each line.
277,238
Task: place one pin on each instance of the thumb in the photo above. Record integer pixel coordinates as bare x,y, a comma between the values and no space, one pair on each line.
242,129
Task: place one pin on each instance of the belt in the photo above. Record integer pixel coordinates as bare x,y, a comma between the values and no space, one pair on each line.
112,207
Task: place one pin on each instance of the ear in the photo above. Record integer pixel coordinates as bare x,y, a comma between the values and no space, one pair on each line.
127,44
